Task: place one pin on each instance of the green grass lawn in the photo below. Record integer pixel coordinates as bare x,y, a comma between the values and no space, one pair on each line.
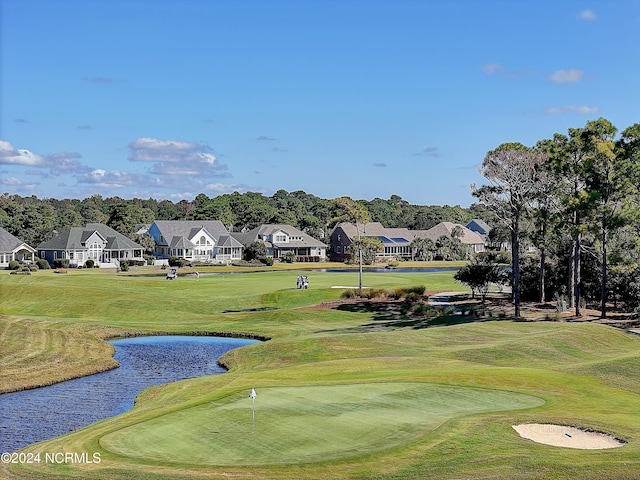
341,394
306,424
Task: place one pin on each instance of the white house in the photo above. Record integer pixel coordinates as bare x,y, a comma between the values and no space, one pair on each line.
12,248
205,241
281,239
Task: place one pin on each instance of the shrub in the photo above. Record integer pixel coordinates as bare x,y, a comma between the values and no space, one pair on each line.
178,262
13,265
250,263
255,250
289,257
61,263
413,297
268,261
349,293
89,263
425,310
32,268
124,266
21,271
376,293
43,264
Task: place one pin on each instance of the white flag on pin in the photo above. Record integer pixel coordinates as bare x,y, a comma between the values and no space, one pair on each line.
252,394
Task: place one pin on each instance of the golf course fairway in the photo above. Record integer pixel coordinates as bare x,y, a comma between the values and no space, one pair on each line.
306,424
346,389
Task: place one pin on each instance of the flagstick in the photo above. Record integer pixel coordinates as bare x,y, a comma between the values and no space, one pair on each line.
252,395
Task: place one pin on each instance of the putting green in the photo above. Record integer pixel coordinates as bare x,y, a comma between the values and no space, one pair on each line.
305,424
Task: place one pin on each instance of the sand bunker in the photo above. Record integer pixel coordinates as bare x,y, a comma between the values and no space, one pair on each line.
569,437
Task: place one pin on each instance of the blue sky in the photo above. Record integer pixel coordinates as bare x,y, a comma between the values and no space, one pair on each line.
169,99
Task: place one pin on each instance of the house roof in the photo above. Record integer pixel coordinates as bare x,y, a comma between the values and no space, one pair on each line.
75,237
188,228
11,243
445,228
228,241
479,226
376,229
266,230
181,242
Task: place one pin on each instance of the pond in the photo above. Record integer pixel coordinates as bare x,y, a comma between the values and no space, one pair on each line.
390,270
33,415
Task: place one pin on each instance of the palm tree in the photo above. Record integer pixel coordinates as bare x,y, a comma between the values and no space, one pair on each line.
422,248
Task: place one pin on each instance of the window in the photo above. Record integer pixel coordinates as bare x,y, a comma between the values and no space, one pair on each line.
94,251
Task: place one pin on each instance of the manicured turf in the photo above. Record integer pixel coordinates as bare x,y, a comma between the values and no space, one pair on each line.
341,394
306,424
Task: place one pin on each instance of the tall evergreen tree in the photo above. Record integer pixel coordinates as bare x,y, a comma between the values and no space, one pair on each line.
513,173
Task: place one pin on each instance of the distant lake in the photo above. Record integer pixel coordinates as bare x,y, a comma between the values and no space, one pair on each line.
388,270
34,415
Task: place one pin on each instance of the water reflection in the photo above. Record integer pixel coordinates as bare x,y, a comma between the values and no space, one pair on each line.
33,415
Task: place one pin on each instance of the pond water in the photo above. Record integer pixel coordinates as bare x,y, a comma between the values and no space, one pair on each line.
389,270
33,415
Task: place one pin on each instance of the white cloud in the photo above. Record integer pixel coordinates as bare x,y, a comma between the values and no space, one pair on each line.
581,109
176,158
57,163
570,75
222,188
17,184
428,152
588,15
9,155
63,162
491,68
499,70
112,179
103,80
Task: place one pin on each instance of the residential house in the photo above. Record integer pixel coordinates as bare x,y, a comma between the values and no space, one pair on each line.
474,240
95,241
12,248
205,241
396,241
281,239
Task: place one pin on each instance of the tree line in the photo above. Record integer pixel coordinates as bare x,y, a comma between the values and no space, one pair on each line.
573,198
35,220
